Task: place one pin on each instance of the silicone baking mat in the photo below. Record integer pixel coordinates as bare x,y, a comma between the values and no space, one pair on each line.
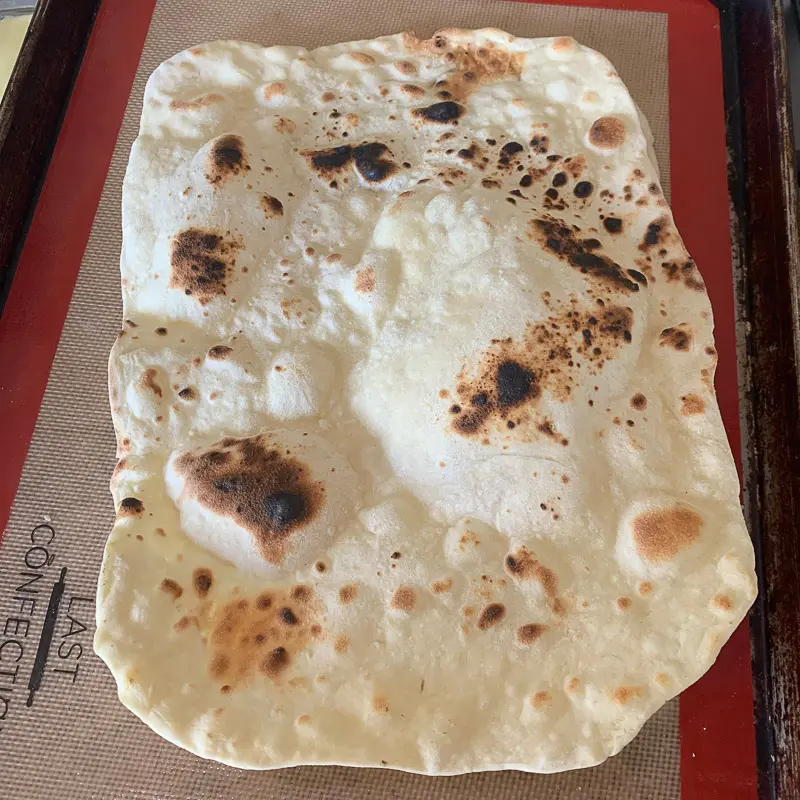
62,731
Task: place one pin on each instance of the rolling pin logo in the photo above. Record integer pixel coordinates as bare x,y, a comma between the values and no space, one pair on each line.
64,634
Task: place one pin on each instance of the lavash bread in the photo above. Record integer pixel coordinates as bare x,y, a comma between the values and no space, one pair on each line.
420,462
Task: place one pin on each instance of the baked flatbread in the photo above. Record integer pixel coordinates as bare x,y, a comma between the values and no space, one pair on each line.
420,462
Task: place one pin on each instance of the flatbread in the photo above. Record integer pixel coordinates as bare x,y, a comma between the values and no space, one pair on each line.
420,462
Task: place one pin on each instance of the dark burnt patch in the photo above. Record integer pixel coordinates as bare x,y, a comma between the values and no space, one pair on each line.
329,161
613,225
202,262
678,338
148,381
528,634
552,202
258,485
508,154
131,507
491,616
559,179
656,235
171,587
522,565
276,662
583,189
471,421
540,144
448,112
639,401
271,206
501,392
261,634
371,160
288,617
547,428
187,394
219,352
504,384
474,155
202,580
450,176
639,277
561,240
685,271
226,158
285,509
513,385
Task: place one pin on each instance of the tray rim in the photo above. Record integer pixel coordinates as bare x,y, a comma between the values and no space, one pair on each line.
31,113
766,261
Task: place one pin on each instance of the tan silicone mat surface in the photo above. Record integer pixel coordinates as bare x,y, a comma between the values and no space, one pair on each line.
75,741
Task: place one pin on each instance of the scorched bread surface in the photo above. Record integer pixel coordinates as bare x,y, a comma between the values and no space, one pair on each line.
420,460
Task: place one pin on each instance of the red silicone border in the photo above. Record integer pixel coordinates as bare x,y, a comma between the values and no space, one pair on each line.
718,757
717,737
31,323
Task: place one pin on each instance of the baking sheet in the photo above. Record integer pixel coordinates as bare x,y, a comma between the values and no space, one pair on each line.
62,731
